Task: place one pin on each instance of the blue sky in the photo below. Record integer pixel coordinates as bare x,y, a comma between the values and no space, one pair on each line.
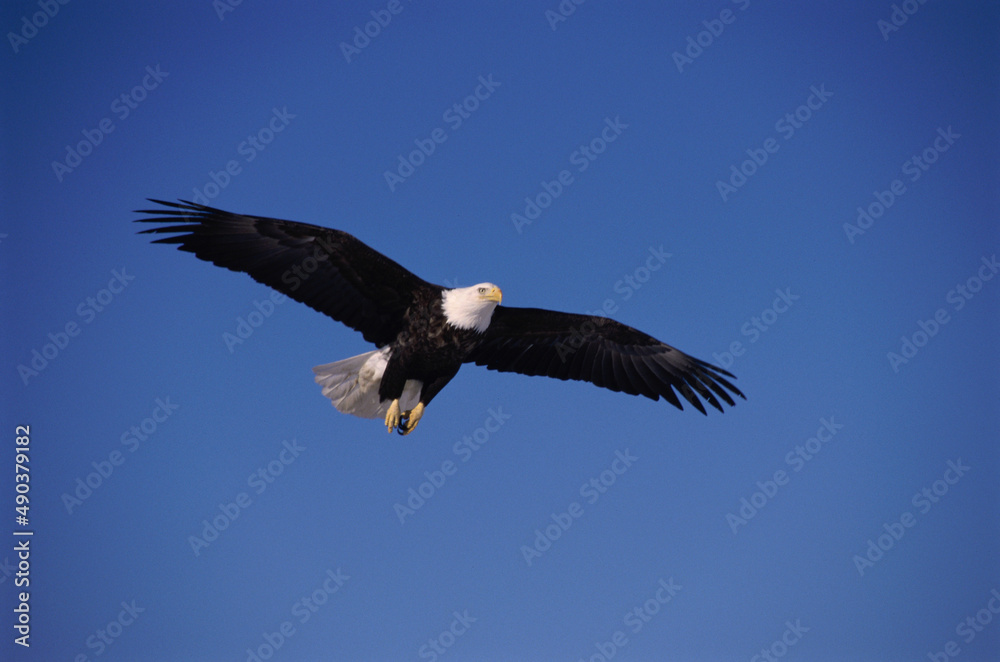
806,195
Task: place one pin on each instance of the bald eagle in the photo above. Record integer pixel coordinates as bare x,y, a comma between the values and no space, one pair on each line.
425,332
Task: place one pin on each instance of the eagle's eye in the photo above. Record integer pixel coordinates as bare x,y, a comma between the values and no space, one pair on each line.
482,290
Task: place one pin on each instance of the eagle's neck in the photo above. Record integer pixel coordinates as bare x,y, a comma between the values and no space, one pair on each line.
464,309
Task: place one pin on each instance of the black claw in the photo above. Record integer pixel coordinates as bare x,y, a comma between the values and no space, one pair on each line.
404,420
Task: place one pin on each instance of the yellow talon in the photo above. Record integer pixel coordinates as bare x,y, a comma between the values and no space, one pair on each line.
392,417
411,418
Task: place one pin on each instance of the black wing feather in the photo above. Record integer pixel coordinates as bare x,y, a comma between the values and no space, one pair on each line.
351,282
532,341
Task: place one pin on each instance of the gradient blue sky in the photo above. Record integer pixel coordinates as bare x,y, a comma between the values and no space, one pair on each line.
323,525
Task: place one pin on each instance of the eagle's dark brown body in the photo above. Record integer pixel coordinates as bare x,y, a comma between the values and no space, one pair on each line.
425,332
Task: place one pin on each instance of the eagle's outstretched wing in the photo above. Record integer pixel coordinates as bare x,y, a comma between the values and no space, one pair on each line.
532,341
328,270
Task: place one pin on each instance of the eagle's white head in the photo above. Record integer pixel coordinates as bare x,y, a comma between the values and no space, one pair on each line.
471,307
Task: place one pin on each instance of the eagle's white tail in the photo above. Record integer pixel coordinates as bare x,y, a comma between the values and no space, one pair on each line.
352,384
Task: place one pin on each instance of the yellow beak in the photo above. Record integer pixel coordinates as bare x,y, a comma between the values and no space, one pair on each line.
494,295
